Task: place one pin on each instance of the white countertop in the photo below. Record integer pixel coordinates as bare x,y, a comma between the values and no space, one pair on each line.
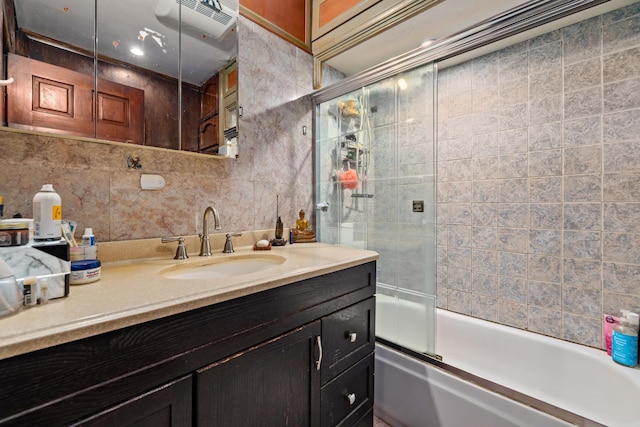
132,292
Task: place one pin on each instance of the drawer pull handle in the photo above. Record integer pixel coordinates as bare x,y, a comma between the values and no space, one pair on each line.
319,361
352,337
351,397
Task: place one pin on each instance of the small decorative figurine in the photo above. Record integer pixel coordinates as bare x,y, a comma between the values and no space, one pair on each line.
302,233
278,241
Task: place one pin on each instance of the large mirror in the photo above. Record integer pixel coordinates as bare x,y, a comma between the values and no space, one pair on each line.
151,72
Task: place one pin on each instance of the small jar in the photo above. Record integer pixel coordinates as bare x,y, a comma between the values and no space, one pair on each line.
85,271
14,232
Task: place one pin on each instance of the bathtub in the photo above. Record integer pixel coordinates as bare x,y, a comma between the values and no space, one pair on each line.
496,376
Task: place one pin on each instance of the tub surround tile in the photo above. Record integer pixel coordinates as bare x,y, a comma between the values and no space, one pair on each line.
553,201
460,302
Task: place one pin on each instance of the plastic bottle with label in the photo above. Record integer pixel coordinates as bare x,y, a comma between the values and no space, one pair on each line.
47,214
625,340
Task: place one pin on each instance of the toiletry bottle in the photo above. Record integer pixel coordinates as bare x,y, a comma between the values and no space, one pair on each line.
89,244
625,340
47,214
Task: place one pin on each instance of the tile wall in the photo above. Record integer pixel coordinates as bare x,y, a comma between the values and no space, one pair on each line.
98,190
539,180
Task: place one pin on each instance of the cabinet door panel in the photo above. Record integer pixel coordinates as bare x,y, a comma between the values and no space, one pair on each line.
168,405
273,384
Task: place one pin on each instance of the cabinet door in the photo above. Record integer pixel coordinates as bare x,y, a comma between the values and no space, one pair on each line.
273,384
167,405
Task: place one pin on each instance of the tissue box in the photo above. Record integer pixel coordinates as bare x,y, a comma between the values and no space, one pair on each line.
48,260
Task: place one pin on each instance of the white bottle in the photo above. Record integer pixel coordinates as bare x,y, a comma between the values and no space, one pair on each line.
47,214
88,239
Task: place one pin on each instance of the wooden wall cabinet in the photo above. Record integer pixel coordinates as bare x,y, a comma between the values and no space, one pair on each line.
254,360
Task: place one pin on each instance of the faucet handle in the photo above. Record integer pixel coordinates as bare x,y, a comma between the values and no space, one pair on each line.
228,244
181,251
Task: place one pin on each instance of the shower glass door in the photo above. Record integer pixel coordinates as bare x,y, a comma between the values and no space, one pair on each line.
375,160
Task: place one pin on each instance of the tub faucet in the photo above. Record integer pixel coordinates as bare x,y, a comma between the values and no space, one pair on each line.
205,245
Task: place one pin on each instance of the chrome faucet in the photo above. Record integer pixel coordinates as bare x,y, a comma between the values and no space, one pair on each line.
205,245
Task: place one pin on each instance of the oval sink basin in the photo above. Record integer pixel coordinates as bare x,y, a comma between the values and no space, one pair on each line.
223,267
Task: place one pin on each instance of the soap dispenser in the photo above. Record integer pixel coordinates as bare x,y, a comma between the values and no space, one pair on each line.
625,339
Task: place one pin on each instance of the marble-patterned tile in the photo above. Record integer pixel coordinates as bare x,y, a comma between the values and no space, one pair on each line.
513,66
583,160
459,235
545,56
543,321
459,127
583,273
459,301
484,238
459,258
485,121
546,295
513,166
621,65
545,268
621,34
546,110
584,301
484,261
583,103
621,247
582,75
621,187
612,303
461,104
485,191
512,264
621,278
582,330
620,95
513,190
621,126
485,168
582,131
512,239
583,188
545,215
545,136
484,145
621,14
514,91
545,242
512,313
582,40
460,213
515,116
545,190
459,279
513,141
484,284
485,214
512,289
545,84
621,157
515,215
582,216
485,308
484,71
621,217
545,163
460,170
582,244
485,98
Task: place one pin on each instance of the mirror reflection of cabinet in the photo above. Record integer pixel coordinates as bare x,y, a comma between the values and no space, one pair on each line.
170,66
229,109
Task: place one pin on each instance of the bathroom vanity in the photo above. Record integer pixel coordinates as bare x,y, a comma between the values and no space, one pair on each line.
291,346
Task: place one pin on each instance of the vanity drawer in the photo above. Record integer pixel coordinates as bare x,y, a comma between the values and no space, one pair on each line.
348,397
347,336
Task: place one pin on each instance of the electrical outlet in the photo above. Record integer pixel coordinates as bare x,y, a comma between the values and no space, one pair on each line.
418,205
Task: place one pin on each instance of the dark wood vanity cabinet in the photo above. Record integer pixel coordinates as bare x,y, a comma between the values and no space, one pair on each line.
298,355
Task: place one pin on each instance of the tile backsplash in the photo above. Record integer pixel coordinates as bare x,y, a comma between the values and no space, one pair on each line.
538,195
99,191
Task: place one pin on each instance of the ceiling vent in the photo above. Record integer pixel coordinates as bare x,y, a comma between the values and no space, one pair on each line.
198,15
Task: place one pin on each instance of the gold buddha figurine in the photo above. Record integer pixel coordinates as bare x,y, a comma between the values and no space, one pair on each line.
302,233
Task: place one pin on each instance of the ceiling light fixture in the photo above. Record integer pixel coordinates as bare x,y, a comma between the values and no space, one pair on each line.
402,84
427,42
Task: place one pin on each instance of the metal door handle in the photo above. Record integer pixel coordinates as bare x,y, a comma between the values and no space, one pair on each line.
319,344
